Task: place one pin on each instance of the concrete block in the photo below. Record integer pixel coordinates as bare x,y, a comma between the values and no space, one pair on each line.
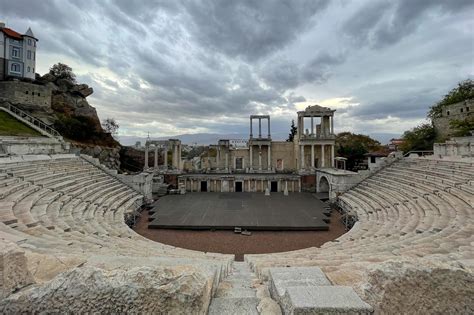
233,306
323,300
282,278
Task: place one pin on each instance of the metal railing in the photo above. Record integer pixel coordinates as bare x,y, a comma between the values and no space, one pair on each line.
32,120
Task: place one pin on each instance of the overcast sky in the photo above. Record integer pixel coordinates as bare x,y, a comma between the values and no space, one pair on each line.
175,67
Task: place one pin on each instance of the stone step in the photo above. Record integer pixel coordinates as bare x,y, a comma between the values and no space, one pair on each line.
323,300
234,306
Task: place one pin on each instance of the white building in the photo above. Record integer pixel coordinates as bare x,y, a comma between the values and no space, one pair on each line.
17,53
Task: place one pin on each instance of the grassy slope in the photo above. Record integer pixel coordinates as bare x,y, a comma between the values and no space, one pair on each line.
9,126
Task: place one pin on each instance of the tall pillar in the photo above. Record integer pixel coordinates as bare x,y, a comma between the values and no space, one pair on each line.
191,185
302,157
251,133
332,125
299,184
251,157
312,155
269,157
218,155
332,155
269,136
226,161
173,156
179,156
146,158
312,125
322,156
323,130
260,127
166,157
156,157
260,157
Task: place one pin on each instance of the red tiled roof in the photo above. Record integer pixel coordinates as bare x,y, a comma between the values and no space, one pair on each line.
380,153
11,33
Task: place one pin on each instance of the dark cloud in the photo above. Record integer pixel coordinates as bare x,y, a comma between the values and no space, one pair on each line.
384,23
250,29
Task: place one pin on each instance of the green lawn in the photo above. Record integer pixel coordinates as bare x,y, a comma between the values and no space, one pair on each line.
9,126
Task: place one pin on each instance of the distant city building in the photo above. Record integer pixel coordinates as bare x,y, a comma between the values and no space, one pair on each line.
17,54
395,144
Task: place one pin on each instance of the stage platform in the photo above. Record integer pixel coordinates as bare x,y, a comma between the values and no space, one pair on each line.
251,211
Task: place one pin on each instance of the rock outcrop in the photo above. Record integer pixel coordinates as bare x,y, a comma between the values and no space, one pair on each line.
416,287
13,269
138,290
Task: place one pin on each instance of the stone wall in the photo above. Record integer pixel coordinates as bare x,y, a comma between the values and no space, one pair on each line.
26,93
456,147
458,111
36,145
109,157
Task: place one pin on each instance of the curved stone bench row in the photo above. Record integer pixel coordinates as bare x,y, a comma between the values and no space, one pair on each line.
402,211
67,206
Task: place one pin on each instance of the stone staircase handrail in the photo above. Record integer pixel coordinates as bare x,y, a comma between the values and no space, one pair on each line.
31,121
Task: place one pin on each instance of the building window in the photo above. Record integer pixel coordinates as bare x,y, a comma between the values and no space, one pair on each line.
15,52
32,93
372,159
29,69
462,110
39,94
467,109
15,67
447,112
28,54
26,92
29,41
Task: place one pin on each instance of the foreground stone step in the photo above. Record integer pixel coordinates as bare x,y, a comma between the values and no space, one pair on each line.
323,300
234,306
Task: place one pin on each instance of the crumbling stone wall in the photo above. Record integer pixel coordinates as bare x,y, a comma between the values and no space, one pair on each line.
25,93
459,111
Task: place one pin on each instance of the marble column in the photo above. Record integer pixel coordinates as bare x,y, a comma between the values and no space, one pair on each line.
269,158
332,125
332,155
302,157
260,127
251,131
166,157
260,157
323,131
191,185
268,127
312,125
156,157
323,156
251,157
218,157
146,158
312,155
227,161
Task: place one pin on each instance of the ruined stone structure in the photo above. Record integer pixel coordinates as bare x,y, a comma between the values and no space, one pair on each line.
264,164
163,147
26,94
459,111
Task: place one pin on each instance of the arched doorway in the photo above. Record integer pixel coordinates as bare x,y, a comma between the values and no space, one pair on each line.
323,184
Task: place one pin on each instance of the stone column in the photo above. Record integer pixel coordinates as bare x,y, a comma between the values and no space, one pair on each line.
191,185
218,157
251,131
146,158
332,125
312,155
302,157
260,127
312,125
332,155
292,186
179,156
269,158
173,156
227,161
299,185
322,156
269,136
260,157
251,158
166,157
156,157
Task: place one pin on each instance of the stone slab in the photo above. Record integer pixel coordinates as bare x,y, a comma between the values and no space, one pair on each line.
323,300
233,306
282,278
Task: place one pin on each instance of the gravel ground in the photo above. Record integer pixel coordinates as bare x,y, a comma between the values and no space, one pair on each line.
227,242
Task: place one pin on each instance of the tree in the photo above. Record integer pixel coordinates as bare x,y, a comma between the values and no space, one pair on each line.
293,131
462,128
354,147
419,138
63,71
110,126
464,91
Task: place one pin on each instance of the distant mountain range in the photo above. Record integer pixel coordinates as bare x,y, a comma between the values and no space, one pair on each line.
212,138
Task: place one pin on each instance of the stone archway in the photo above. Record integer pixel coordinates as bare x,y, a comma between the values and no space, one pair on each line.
323,184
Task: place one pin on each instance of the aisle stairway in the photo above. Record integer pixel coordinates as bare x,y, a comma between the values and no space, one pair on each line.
236,294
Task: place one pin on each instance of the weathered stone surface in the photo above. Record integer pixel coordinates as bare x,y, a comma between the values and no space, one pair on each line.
323,300
409,287
233,306
82,89
13,269
45,267
267,306
282,278
142,290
